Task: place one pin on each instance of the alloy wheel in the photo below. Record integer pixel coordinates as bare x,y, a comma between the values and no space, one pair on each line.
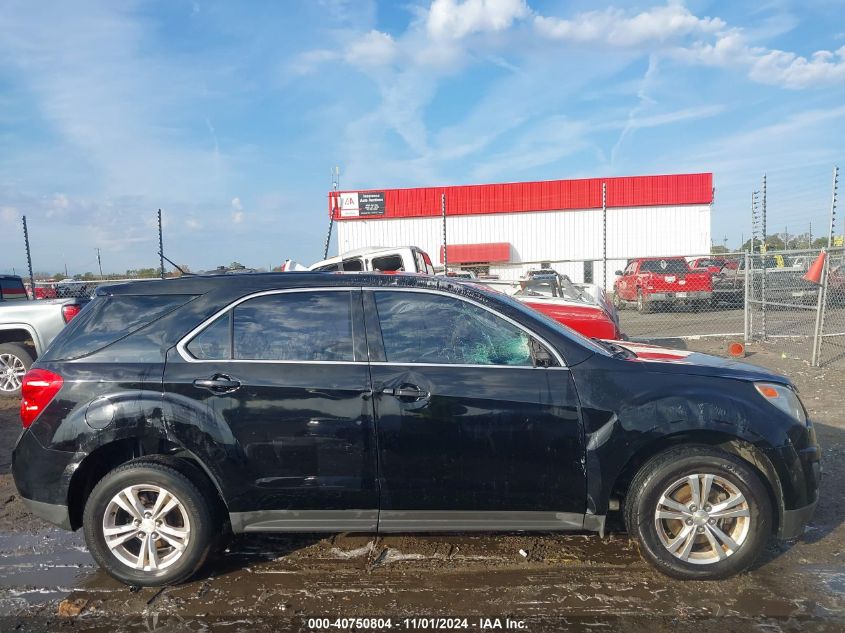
146,527
702,519
12,371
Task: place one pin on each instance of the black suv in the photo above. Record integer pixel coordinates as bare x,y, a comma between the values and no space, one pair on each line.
169,413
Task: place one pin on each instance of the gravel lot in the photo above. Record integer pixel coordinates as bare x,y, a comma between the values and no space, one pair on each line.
48,581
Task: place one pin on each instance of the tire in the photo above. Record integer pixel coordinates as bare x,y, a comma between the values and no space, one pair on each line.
15,361
643,304
665,476
617,302
190,523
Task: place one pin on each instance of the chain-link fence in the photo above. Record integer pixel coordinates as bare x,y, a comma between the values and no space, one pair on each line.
71,288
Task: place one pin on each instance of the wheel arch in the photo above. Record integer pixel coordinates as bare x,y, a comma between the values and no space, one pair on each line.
732,444
99,462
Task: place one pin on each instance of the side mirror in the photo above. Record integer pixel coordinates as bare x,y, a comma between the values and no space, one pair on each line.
618,273
540,355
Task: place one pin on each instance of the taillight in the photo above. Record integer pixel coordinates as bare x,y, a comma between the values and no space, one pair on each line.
37,391
70,311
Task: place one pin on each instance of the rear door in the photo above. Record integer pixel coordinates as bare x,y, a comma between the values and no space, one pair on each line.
471,435
275,394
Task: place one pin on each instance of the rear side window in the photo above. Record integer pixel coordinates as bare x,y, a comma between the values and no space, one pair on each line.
353,265
388,263
109,319
430,328
12,290
291,326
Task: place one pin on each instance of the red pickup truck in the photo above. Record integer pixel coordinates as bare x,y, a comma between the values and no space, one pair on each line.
655,281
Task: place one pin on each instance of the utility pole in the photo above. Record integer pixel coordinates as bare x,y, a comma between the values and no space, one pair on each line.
160,245
28,257
99,262
332,208
445,250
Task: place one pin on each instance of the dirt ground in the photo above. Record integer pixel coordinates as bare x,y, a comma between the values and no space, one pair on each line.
48,581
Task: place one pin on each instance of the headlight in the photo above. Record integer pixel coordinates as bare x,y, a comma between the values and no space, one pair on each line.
783,398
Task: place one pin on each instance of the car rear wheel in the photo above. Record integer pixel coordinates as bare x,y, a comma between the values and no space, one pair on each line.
699,513
148,524
15,361
643,304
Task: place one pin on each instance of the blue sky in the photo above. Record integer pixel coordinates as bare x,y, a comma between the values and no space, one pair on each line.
229,116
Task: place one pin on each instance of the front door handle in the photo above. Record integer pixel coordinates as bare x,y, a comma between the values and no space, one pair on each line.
218,383
406,392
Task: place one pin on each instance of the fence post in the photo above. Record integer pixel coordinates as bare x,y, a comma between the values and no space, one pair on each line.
747,307
28,257
820,313
160,245
445,250
604,234
763,251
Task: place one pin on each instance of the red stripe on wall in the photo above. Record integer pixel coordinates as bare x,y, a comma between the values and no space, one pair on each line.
552,195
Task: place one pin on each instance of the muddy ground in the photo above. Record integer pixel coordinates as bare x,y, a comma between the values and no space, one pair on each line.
48,581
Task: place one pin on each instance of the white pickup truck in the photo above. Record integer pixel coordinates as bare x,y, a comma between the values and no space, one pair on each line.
409,259
27,327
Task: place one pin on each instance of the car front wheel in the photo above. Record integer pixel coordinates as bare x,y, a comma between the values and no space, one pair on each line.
699,513
148,524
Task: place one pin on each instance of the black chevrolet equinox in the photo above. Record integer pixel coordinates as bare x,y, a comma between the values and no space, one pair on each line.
171,413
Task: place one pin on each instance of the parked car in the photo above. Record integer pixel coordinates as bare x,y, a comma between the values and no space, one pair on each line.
584,308
171,411
26,329
713,264
380,259
652,281
784,283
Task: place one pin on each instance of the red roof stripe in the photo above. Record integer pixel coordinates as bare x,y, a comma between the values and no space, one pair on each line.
552,195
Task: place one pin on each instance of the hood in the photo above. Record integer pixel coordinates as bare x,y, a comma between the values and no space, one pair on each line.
667,360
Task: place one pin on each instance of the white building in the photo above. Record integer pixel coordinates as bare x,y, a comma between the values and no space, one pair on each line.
506,229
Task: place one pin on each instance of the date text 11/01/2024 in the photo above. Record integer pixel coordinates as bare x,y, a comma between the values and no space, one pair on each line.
417,624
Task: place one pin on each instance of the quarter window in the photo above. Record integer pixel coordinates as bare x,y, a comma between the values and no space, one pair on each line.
215,341
430,328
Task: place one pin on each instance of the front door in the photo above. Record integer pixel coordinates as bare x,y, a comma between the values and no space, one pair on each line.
471,434
274,395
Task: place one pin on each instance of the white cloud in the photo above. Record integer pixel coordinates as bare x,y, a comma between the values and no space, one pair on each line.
9,214
191,223
793,71
237,205
308,62
372,50
450,19
614,27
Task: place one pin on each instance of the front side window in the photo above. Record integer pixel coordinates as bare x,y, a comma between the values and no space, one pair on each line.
430,328
294,326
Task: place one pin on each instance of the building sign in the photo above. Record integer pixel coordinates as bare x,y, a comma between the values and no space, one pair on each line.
354,204
349,205
371,203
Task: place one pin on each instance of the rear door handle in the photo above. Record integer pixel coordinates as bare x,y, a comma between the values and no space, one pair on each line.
406,392
218,383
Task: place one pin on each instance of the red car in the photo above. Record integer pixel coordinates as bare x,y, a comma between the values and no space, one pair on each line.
574,305
655,281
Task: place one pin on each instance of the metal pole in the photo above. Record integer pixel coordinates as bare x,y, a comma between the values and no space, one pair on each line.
332,207
160,245
822,300
445,251
604,234
99,262
747,309
28,257
763,260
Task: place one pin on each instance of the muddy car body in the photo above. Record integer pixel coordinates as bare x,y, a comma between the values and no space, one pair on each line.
321,402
